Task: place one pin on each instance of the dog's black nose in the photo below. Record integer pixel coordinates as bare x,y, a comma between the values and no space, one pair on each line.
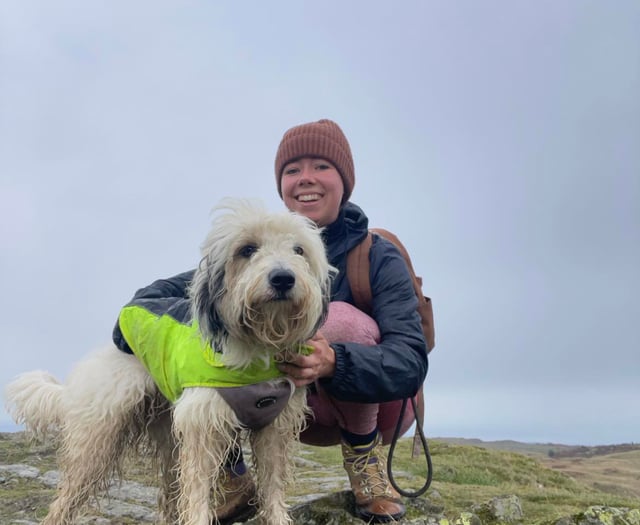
282,280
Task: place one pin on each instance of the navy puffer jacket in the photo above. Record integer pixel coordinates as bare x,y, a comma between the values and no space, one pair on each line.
394,369
397,367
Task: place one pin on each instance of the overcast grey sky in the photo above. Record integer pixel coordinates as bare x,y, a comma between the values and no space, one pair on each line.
500,140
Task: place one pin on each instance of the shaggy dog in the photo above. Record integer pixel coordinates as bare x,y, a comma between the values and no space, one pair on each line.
261,290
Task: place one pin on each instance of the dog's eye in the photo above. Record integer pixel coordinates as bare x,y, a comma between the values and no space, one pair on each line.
298,250
247,251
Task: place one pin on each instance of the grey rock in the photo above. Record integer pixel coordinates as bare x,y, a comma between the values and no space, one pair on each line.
135,491
467,518
50,478
22,471
502,509
120,509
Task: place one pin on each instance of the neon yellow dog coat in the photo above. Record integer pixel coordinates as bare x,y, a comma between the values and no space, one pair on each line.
177,358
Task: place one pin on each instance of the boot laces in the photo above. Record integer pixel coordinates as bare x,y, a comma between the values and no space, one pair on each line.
370,469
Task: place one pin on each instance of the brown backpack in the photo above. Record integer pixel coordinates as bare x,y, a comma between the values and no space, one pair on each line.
358,276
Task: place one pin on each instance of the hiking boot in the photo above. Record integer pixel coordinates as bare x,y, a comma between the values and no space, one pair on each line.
376,500
239,499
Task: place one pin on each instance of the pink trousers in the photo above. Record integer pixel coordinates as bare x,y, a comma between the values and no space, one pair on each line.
345,323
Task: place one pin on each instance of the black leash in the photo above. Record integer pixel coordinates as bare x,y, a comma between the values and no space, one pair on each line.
425,447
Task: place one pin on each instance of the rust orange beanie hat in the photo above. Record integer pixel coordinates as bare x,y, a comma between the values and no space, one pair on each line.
323,139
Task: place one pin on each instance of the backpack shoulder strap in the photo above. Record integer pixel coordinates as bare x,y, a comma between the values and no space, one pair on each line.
358,275
424,303
403,251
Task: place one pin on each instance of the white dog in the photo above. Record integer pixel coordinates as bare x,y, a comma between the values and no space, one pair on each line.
262,287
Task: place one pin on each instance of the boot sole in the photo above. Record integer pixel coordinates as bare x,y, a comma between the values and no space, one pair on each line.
379,518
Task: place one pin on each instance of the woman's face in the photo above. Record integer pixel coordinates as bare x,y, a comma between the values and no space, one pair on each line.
312,187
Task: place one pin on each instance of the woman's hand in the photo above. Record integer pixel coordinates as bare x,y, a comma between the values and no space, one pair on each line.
305,369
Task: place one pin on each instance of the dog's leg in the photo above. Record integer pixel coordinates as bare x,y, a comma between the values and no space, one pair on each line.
273,449
270,461
199,427
166,457
104,401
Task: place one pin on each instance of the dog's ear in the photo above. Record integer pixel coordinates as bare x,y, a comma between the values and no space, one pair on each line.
326,298
205,292
322,318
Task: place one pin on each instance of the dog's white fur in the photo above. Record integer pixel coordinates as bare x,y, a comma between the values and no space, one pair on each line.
110,404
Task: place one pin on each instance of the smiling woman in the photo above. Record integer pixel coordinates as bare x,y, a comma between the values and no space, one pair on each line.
362,367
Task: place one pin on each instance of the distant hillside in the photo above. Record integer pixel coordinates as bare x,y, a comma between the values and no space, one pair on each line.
545,449
614,469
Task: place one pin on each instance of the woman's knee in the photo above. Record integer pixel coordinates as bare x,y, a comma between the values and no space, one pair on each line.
345,323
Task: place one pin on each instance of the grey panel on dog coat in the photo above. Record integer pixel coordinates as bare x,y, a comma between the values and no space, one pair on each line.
258,405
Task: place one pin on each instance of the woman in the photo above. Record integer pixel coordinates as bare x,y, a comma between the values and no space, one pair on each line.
370,362
361,367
